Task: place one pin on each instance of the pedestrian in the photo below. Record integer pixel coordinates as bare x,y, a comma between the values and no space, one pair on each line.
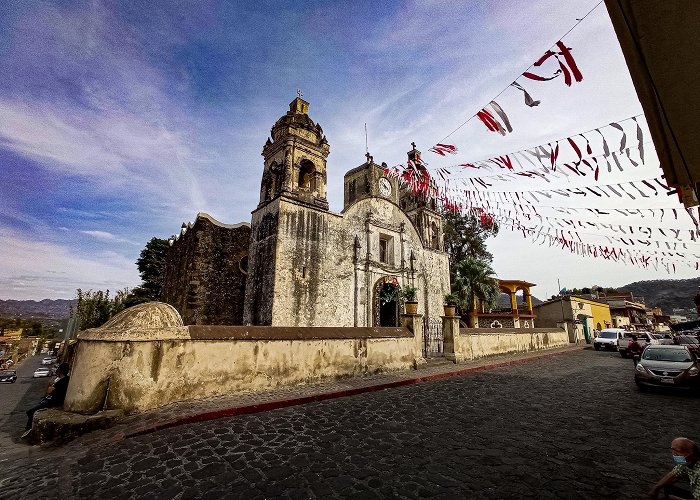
55,395
635,349
697,301
686,454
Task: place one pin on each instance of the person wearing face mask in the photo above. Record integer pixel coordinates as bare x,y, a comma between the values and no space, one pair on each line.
686,454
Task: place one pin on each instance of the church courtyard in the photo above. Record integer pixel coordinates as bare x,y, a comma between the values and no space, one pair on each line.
567,426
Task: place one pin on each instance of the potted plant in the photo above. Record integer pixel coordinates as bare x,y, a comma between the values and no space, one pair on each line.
409,293
450,305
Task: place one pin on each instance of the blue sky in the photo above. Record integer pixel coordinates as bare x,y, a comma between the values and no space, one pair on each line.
120,120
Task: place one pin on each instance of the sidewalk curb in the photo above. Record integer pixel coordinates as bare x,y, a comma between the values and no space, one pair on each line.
284,403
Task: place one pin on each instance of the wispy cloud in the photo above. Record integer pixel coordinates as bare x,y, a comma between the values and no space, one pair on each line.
26,273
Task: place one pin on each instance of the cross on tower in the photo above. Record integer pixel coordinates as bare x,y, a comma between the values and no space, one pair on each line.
414,145
299,94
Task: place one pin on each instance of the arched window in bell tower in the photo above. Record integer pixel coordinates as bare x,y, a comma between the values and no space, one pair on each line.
306,176
435,236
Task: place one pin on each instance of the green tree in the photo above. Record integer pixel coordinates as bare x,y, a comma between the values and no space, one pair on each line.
151,265
465,237
475,279
95,308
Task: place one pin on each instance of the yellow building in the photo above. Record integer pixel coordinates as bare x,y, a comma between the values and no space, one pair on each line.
580,315
600,312
512,316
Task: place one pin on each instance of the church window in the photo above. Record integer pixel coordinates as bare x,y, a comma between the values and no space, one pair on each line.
386,249
435,236
306,172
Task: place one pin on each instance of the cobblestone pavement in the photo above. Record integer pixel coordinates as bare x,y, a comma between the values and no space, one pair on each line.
570,426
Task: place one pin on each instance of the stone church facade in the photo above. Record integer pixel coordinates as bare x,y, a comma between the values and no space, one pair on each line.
307,266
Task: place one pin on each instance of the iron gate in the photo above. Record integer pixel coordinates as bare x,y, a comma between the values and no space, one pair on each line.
433,339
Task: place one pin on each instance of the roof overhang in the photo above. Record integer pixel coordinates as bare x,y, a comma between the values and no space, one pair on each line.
659,39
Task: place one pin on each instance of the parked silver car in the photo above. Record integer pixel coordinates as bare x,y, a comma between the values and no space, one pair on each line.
42,372
667,366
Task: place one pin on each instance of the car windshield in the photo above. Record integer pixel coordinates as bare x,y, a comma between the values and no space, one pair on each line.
608,335
5,373
678,355
687,339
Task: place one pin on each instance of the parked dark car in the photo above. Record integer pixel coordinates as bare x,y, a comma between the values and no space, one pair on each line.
691,341
668,366
8,377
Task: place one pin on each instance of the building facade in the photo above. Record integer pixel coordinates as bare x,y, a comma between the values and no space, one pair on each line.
581,315
308,266
205,271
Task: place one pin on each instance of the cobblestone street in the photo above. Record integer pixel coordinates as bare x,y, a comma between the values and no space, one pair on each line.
571,426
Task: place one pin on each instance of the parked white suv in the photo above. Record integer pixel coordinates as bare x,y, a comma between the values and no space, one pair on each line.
607,339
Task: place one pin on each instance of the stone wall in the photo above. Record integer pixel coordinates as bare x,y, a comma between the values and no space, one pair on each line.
112,372
205,274
474,343
144,357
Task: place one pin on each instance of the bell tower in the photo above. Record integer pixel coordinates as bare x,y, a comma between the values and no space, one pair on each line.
295,159
422,208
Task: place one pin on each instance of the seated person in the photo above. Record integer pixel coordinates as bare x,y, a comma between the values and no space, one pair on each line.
55,395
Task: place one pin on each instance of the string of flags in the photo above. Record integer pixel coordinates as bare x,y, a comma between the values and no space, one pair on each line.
568,68
596,212
544,159
482,198
643,235
583,156
541,235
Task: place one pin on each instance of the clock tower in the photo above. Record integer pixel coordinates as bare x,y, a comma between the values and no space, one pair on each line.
370,180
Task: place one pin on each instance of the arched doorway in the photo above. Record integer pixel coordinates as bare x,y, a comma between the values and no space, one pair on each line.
386,306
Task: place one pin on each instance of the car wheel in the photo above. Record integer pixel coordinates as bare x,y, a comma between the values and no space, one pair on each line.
596,347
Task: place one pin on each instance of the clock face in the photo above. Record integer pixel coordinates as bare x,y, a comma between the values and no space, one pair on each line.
384,187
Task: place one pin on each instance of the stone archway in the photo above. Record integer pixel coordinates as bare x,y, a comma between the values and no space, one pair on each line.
385,311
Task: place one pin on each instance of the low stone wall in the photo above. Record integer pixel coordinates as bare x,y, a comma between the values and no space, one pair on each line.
474,343
122,366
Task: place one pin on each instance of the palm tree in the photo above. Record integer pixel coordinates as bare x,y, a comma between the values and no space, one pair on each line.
474,279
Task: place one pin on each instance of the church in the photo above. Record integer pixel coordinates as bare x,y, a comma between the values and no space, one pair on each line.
298,264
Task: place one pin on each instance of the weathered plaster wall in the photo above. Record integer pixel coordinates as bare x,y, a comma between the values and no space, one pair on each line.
138,375
205,270
473,344
429,271
313,268
262,257
316,268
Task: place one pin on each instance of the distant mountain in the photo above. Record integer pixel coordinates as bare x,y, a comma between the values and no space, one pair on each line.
44,309
666,294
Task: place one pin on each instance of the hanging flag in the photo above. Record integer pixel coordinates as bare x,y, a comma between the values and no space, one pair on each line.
567,67
623,140
443,149
490,122
566,53
640,140
502,115
539,78
529,101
